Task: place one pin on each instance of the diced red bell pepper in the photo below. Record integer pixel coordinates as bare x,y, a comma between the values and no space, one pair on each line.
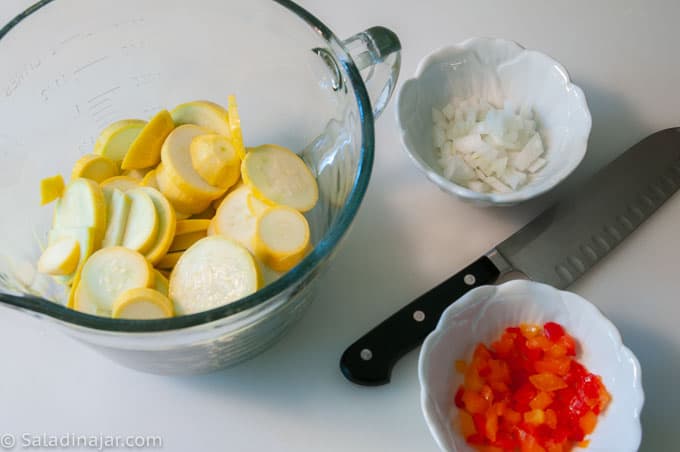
458,399
553,331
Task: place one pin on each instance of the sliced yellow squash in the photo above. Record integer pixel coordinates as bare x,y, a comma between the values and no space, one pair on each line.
234,220
94,167
51,188
122,183
61,257
137,174
215,271
279,176
182,242
215,159
177,165
181,201
141,228
169,260
281,238
111,271
203,113
142,304
166,225
82,205
160,282
235,127
115,140
86,244
145,151
186,226
149,179
256,206
118,210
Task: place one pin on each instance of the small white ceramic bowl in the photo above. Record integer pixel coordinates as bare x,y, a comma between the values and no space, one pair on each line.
482,315
496,69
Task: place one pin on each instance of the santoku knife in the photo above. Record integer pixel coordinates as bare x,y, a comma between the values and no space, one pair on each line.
557,247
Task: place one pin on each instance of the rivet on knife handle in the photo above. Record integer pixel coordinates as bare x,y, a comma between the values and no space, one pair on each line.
369,360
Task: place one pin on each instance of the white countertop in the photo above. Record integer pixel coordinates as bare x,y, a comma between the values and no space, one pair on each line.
407,237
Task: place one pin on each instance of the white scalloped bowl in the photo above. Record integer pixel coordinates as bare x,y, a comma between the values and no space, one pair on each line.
481,316
496,69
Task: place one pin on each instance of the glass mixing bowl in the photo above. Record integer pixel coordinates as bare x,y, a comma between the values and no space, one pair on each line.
70,67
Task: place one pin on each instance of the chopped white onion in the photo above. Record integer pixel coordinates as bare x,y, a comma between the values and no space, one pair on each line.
488,144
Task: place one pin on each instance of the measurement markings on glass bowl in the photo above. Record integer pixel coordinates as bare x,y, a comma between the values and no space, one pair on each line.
90,64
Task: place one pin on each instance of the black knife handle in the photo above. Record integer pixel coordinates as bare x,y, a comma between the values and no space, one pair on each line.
369,360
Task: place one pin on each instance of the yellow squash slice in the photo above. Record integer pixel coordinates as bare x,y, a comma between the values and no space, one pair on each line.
141,228
115,140
256,206
281,238
166,225
234,220
85,237
279,176
160,282
178,167
215,271
181,201
94,167
142,304
137,174
118,210
182,242
186,226
203,113
169,260
60,258
149,179
235,127
215,159
82,205
51,188
122,183
145,151
109,272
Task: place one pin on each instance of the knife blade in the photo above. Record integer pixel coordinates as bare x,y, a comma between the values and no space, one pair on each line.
556,248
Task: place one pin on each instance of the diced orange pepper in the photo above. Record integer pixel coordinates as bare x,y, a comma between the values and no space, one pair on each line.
528,443
551,418
513,417
552,447
490,449
474,403
467,426
588,422
473,382
529,330
499,408
585,443
499,386
539,343
461,366
557,366
541,401
547,382
556,351
481,354
534,417
491,427
605,398
486,393
499,371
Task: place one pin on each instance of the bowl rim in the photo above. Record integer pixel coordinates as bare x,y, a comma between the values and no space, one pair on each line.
470,298
303,270
459,190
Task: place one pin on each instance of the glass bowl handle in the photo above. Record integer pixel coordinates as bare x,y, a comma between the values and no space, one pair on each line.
377,54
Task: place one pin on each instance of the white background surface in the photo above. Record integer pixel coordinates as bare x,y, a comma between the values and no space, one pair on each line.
407,237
